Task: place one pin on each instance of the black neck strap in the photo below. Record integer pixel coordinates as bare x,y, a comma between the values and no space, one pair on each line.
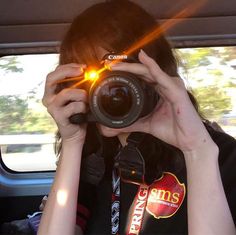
130,162
135,138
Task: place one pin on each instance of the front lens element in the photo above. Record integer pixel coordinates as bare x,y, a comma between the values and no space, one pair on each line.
116,99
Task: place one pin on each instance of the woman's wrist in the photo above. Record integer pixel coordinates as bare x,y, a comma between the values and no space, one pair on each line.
205,153
77,140
71,149
73,142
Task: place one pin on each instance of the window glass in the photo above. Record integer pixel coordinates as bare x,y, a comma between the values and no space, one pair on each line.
210,73
26,129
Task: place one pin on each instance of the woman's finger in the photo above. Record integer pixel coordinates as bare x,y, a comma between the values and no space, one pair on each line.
65,71
69,95
135,68
172,88
61,72
74,108
62,114
160,76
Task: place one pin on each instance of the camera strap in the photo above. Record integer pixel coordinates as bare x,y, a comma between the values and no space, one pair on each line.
130,167
129,161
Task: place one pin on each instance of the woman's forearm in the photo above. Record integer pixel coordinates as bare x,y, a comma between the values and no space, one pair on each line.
208,210
59,216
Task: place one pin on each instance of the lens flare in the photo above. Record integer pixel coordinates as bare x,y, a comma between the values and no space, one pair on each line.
170,23
180,16
91,75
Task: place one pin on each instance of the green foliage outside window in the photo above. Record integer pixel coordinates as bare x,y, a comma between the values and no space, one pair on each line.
212,71
18,115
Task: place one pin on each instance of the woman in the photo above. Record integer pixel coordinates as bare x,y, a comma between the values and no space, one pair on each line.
177,147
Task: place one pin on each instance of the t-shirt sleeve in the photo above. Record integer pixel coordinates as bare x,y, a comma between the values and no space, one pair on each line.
227,164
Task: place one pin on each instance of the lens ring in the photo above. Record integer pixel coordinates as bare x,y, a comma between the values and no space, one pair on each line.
122,79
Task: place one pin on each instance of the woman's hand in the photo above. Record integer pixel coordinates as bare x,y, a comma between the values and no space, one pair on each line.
176,122
64,191
174,119
67,102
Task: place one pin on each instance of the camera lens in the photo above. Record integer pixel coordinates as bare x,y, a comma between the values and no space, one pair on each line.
116,99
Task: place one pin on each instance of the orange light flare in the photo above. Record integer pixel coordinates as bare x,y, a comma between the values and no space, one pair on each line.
177,18
92,75
89,75
181,15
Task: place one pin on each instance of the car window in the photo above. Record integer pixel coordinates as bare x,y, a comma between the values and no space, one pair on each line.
210,73
26,129
27,132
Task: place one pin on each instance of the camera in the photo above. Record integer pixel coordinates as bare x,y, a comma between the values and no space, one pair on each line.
117,99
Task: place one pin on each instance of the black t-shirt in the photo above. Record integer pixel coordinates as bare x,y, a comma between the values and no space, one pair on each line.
155,220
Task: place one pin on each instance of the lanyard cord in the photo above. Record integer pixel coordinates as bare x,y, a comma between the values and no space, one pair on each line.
115,203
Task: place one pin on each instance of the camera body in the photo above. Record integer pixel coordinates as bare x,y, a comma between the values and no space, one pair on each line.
117,99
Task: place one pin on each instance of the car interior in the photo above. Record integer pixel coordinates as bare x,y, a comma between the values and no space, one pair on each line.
30,30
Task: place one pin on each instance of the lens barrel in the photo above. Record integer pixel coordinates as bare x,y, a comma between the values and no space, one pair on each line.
119,98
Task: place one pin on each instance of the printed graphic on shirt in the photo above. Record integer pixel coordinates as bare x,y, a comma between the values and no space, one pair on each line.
165,196
138,211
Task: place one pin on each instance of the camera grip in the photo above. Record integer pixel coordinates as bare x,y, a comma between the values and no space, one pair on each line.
78,118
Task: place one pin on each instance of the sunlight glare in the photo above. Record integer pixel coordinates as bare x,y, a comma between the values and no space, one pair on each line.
62,196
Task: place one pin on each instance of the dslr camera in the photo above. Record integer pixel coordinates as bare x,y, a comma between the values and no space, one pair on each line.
117,98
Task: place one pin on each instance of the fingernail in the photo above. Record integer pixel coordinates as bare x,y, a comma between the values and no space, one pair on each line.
142,52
